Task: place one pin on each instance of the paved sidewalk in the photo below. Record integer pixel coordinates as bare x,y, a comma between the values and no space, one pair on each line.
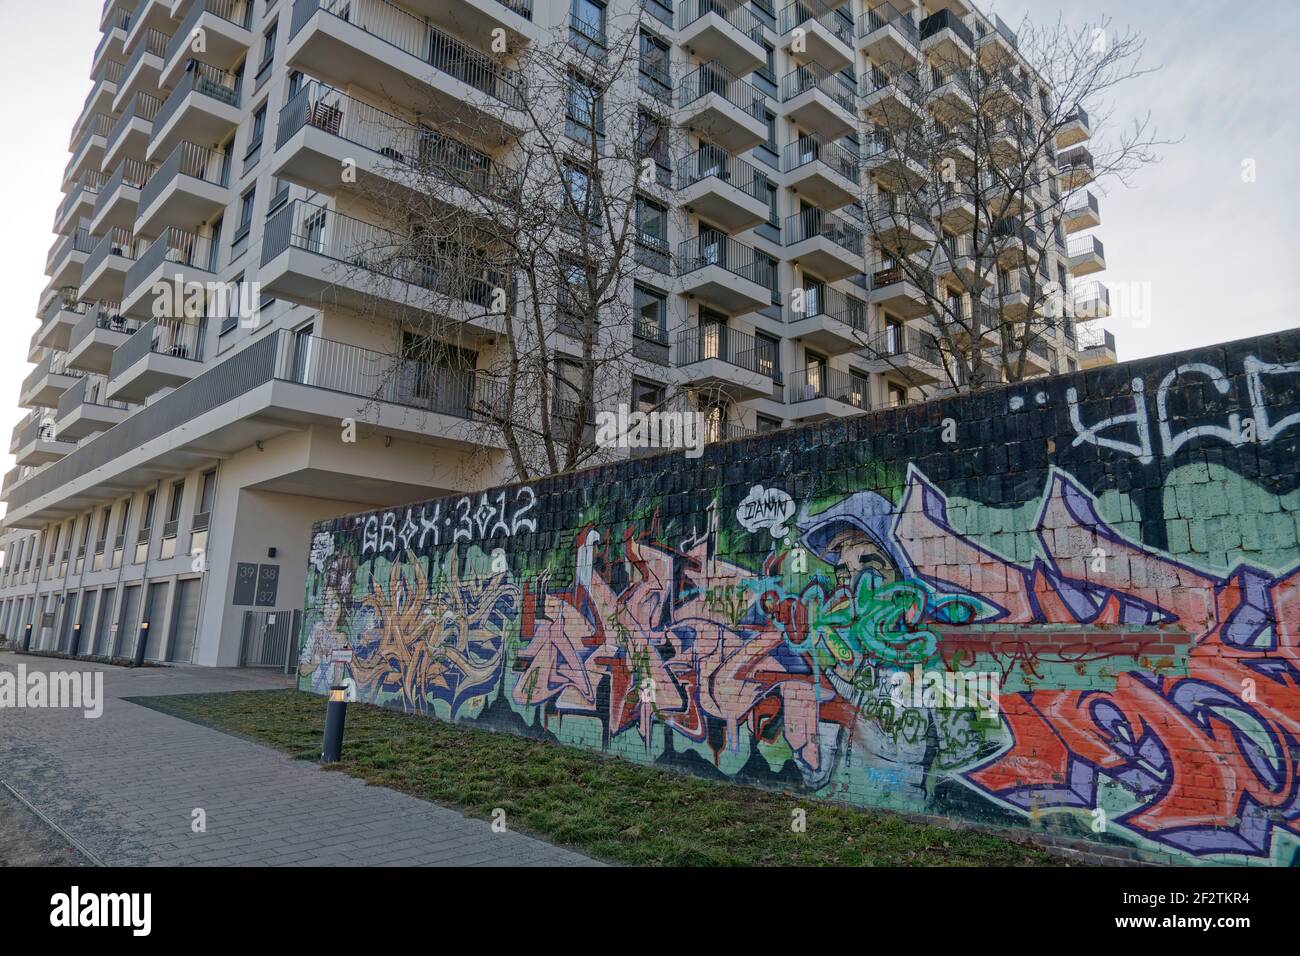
124,787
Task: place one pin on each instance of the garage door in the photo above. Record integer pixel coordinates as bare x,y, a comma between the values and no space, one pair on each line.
185,619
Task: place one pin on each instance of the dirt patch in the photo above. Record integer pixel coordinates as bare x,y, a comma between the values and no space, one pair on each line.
26,840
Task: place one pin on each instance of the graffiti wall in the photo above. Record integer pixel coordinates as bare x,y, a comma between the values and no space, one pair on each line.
1070,606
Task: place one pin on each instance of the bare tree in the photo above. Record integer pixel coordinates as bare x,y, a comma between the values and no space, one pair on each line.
968,193
517,232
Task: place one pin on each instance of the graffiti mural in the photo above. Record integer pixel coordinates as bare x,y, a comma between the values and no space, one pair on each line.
1099,652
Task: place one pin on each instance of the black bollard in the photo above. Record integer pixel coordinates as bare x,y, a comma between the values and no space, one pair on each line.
75,649
336,712
27,638
140,643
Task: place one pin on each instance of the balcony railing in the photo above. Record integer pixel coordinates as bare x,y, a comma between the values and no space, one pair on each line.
420,148
118,241
808,384
832,303
1076,159
715,78
735,257
90,390
878,18
947,20
715,341
104,315
65,300
713,161
900,342
715,430
1085,246
142,107
187,159
236,12
1094,337
812,223
88,184
178,338
153,43
737,15
1078,115
410,34
810,148
131,173
801,11
1091,300
374,249
175,246
202,78
55,363
79,240
814,76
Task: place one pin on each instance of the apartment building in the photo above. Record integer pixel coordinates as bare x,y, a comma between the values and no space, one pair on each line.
175,457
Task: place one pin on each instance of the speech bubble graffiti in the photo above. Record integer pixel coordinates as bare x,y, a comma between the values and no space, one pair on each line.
767,508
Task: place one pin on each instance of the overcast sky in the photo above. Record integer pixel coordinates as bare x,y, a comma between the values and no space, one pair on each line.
1218,255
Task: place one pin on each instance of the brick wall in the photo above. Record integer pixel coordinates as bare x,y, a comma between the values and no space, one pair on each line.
1069,606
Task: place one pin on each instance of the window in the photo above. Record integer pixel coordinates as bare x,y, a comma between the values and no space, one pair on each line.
768,274
584,108
295,83
587,26
897,395
174,507
771,131
652,143
245,215
652,224
568,389
255,137
652,314
766,424
207,495
655,60
773,205
119,542
268,54
768,352
647,397
577,185
768,70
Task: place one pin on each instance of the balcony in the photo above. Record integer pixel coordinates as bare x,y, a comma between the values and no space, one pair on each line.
722,31
1075,169
86,409
112,42
45,383
224,26
281,382
894,101
376,45
119,198
724,274
203,108
147,15
905,352
996,44
1013,296
79,203
163,353
104,88
99,332
175,258
889,36
38,443
827,36
817,392
828,320
1092,301
1076,128
321,127
67,257
143,71
88,151
314,255
955,257
720,108
946,39
189,187
108,264
1017,242
1096,347
722,189
896,224
891,288
819,101
1086,255
471,18
1082,211
823,172
950,96
130,135
723,361
58,319
823,243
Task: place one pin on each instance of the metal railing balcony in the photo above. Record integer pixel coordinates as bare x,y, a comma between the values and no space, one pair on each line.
79,240
522,7
713,161
900,342
104,315
715,341
153,43
55,363
187,159
715,78
236,12
384,252
121,21
87,184
142,107
110,71
178,338
1085,246
1013,283
801,11
1078,115
1083,200
947,20
996,25
320,106
390,23
831,303
1076,158
715,431
90,390
737,15
814,223
814,76
41,428
202,78
118,241
716,249
131,173
101,124
811,148
1095,337
65,300
878,18
808,384
177,247
906,82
